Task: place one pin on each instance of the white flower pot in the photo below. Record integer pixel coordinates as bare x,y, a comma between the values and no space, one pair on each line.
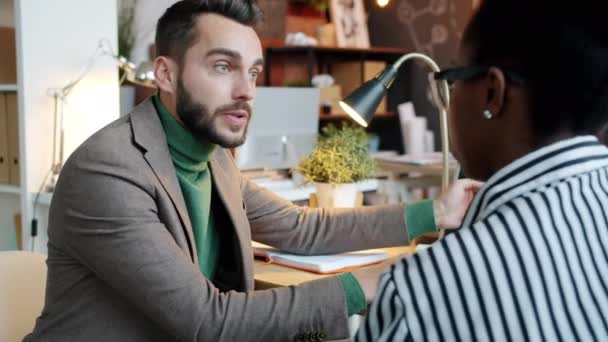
336,195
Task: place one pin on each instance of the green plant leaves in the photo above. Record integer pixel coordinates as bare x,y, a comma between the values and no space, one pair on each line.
340,156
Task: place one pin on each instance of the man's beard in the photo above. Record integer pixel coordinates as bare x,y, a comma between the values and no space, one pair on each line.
198,119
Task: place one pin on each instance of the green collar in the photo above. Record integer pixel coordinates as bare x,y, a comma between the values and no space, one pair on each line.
190,152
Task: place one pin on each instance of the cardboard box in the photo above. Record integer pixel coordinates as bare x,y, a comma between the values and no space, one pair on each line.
349,76
326,35
332,95
8,56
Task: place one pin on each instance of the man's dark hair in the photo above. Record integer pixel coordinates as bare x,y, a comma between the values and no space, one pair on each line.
562,51
175,30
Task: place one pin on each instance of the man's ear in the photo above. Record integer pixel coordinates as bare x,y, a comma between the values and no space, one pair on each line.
496,90
165,74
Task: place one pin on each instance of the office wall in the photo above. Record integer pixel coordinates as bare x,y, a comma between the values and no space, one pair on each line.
146,16
433,27
56,44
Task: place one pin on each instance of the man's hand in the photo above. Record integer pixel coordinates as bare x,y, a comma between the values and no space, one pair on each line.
369,276
451,206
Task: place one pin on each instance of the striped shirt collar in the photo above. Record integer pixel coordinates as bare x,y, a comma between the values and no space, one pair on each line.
546,165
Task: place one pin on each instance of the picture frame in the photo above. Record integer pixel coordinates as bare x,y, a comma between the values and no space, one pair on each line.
350,23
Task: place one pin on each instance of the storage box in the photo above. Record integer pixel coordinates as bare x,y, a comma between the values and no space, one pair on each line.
349,76
306,25
326,35
8,56
332,95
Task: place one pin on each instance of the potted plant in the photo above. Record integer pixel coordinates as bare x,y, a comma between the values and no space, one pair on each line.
311,8
321,5
339,160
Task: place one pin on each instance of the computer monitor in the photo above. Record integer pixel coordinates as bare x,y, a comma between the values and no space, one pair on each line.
283,128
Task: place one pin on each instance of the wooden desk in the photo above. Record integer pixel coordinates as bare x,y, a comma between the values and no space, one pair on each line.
429,170
270,275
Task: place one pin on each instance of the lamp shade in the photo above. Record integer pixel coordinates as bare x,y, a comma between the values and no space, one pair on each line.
361,104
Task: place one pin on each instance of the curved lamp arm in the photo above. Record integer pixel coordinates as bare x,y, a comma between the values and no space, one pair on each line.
441,97
362,103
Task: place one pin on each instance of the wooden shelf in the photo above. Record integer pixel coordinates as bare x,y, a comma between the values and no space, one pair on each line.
8,87
345,116
45,198
10,189
373,53
323,57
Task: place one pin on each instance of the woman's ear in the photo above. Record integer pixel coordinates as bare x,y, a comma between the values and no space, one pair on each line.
496,91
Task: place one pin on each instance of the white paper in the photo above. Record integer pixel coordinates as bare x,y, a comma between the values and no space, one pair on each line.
429,141
321,263
414,131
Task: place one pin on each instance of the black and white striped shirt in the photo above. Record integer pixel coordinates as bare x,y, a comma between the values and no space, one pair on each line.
529,264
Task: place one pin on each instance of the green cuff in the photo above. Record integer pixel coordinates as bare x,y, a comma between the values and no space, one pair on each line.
353,293
420,219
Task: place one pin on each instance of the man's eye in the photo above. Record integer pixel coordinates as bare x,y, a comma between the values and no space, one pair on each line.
254,74
222,68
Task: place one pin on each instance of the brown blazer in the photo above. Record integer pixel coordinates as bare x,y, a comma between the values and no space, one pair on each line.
122,263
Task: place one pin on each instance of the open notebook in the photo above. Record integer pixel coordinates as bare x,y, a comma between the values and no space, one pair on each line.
323,264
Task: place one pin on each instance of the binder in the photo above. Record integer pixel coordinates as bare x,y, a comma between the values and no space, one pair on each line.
4,161
13,137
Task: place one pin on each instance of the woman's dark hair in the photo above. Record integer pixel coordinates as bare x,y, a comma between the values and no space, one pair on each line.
562,51
175,30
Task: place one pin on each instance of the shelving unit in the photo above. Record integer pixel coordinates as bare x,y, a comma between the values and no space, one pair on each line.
345,116
324,57
318,59
45,198
49,57
10,189
8,87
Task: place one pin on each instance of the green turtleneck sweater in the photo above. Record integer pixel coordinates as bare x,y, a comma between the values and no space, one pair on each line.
190,157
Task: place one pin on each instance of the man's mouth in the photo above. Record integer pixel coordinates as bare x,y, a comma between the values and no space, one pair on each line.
235,117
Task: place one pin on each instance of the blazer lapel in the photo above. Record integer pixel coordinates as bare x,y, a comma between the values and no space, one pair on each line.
229,192
149,134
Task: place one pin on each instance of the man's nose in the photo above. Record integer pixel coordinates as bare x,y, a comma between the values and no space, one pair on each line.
244,88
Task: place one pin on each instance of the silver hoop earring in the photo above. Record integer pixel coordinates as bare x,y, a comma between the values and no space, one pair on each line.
487,114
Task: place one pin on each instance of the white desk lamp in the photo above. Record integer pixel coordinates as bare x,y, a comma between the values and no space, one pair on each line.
361,104
141,75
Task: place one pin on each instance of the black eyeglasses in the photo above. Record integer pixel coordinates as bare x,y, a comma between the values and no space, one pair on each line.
472,72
